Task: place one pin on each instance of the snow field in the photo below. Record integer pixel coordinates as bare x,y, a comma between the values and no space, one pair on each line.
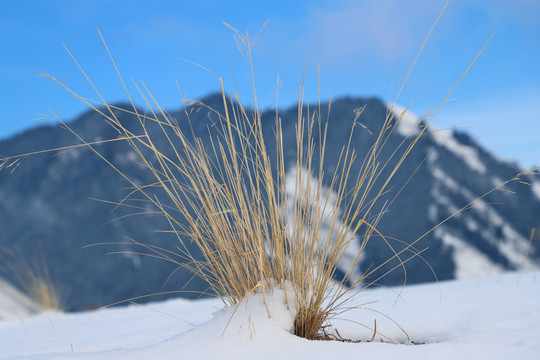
491,318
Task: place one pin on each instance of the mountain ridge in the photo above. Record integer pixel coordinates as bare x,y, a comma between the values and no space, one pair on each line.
46,199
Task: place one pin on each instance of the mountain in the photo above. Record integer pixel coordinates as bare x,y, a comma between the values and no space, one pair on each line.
48,206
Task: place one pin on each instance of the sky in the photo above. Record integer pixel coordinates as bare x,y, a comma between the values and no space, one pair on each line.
362,48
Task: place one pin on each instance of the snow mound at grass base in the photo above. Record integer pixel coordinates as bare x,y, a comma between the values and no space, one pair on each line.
251,318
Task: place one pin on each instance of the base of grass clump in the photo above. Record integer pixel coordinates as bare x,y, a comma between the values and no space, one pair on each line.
256,315
377,337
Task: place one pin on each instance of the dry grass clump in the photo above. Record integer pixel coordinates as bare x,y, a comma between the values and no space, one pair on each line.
229,198
33,278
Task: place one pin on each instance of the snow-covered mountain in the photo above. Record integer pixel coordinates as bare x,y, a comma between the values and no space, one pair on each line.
491,236
48,202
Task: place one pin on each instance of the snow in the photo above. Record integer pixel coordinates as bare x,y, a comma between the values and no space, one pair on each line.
14,303
306,182
469,261
408,126
512,245
407,122
433,213
69,156
250,320
467,153
130,157
472,225
496,181
493,318
535,186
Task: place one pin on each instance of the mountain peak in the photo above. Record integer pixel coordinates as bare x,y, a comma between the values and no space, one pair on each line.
47,200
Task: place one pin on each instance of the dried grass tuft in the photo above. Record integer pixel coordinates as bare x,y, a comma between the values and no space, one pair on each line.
228,197
33,278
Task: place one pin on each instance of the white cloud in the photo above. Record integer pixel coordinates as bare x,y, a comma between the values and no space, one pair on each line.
349,30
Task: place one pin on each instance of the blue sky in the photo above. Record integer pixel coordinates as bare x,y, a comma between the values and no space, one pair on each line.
364,48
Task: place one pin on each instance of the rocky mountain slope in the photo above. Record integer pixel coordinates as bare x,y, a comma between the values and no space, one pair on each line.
48,205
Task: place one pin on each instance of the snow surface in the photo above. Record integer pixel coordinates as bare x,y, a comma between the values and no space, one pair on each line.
487,318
